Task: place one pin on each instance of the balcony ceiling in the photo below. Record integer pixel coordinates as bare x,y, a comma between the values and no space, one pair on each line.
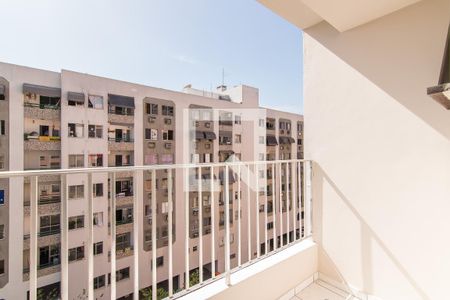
341,14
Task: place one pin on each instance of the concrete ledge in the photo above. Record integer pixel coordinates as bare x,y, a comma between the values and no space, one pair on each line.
266,279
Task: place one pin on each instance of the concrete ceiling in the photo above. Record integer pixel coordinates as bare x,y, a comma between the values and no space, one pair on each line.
341,14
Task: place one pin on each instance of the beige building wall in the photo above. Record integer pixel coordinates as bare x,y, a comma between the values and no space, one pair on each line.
382,152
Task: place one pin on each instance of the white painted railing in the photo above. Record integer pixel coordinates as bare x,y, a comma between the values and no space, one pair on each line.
268,231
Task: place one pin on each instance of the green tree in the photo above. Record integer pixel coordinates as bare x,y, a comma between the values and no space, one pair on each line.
194,278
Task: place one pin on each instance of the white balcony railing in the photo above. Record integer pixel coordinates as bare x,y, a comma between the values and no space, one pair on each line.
248,227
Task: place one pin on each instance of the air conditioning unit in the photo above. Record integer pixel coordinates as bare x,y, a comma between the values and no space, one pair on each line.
282,131
151,119
168,145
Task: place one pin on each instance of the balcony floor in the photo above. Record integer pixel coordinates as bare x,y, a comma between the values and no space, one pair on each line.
322,291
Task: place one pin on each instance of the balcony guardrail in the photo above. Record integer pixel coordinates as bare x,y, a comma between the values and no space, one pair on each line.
121,140
259,240
121,112
41,106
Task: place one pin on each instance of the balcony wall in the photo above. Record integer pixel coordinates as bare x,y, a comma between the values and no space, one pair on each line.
382,148
41,113
41,145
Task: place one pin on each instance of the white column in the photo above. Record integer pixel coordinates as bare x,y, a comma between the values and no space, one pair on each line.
274,208
200,225
113,234
239,216
186,228
288,225
33,236
154,281
90,242
213,225
137,197
227,227
170,221
64,239
258,246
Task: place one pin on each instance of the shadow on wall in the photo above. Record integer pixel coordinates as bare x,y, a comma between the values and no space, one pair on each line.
387,50
349,242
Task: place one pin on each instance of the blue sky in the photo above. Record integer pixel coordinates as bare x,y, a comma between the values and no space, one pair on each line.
161,43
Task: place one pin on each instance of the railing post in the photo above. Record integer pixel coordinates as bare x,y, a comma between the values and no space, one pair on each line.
280,203
33,236
294,204
213,225
239,215
90,243
64,239
266,248
186,228
308,178
200,225
154,282
274,208
113,234
288,225
249,223
227,227
136,218
170,216
258,246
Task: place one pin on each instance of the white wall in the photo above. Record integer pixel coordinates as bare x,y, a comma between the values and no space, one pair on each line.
382,152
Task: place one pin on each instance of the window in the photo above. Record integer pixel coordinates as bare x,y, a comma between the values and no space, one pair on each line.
98,219
2,267
46,101
76,191
207,157
195,158
151,109
48,256
123,274
151,159
99,282
262,140
49,225
123,241
151,134
237,138
76,161
167,110
166,158
2,127
208,146
75,130
76,253
164,207
2,231
2,162
2,197
237,119
159,261
76,222
95,131
98,248
167,121
262,123
97,189
95,160
95,102
167,135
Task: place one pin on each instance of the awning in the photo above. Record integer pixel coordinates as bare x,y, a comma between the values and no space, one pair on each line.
271,140
209,135
122,101
199,135
2,89
228,134
231,178
229,152
41,90
75,97
286,140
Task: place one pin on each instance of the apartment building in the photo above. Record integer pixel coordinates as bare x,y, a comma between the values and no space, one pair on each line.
74,120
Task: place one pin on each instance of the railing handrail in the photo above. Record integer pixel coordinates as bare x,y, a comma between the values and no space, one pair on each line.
28,173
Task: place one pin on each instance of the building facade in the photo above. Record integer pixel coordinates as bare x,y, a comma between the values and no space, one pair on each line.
73,120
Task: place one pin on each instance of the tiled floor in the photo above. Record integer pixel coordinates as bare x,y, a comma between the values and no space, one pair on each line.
316,291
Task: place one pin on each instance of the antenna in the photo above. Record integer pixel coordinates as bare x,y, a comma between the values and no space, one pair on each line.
223,76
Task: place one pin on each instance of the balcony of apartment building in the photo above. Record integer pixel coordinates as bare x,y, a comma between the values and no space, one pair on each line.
49,197
41,102
120,137
124,191
42,135
120,109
